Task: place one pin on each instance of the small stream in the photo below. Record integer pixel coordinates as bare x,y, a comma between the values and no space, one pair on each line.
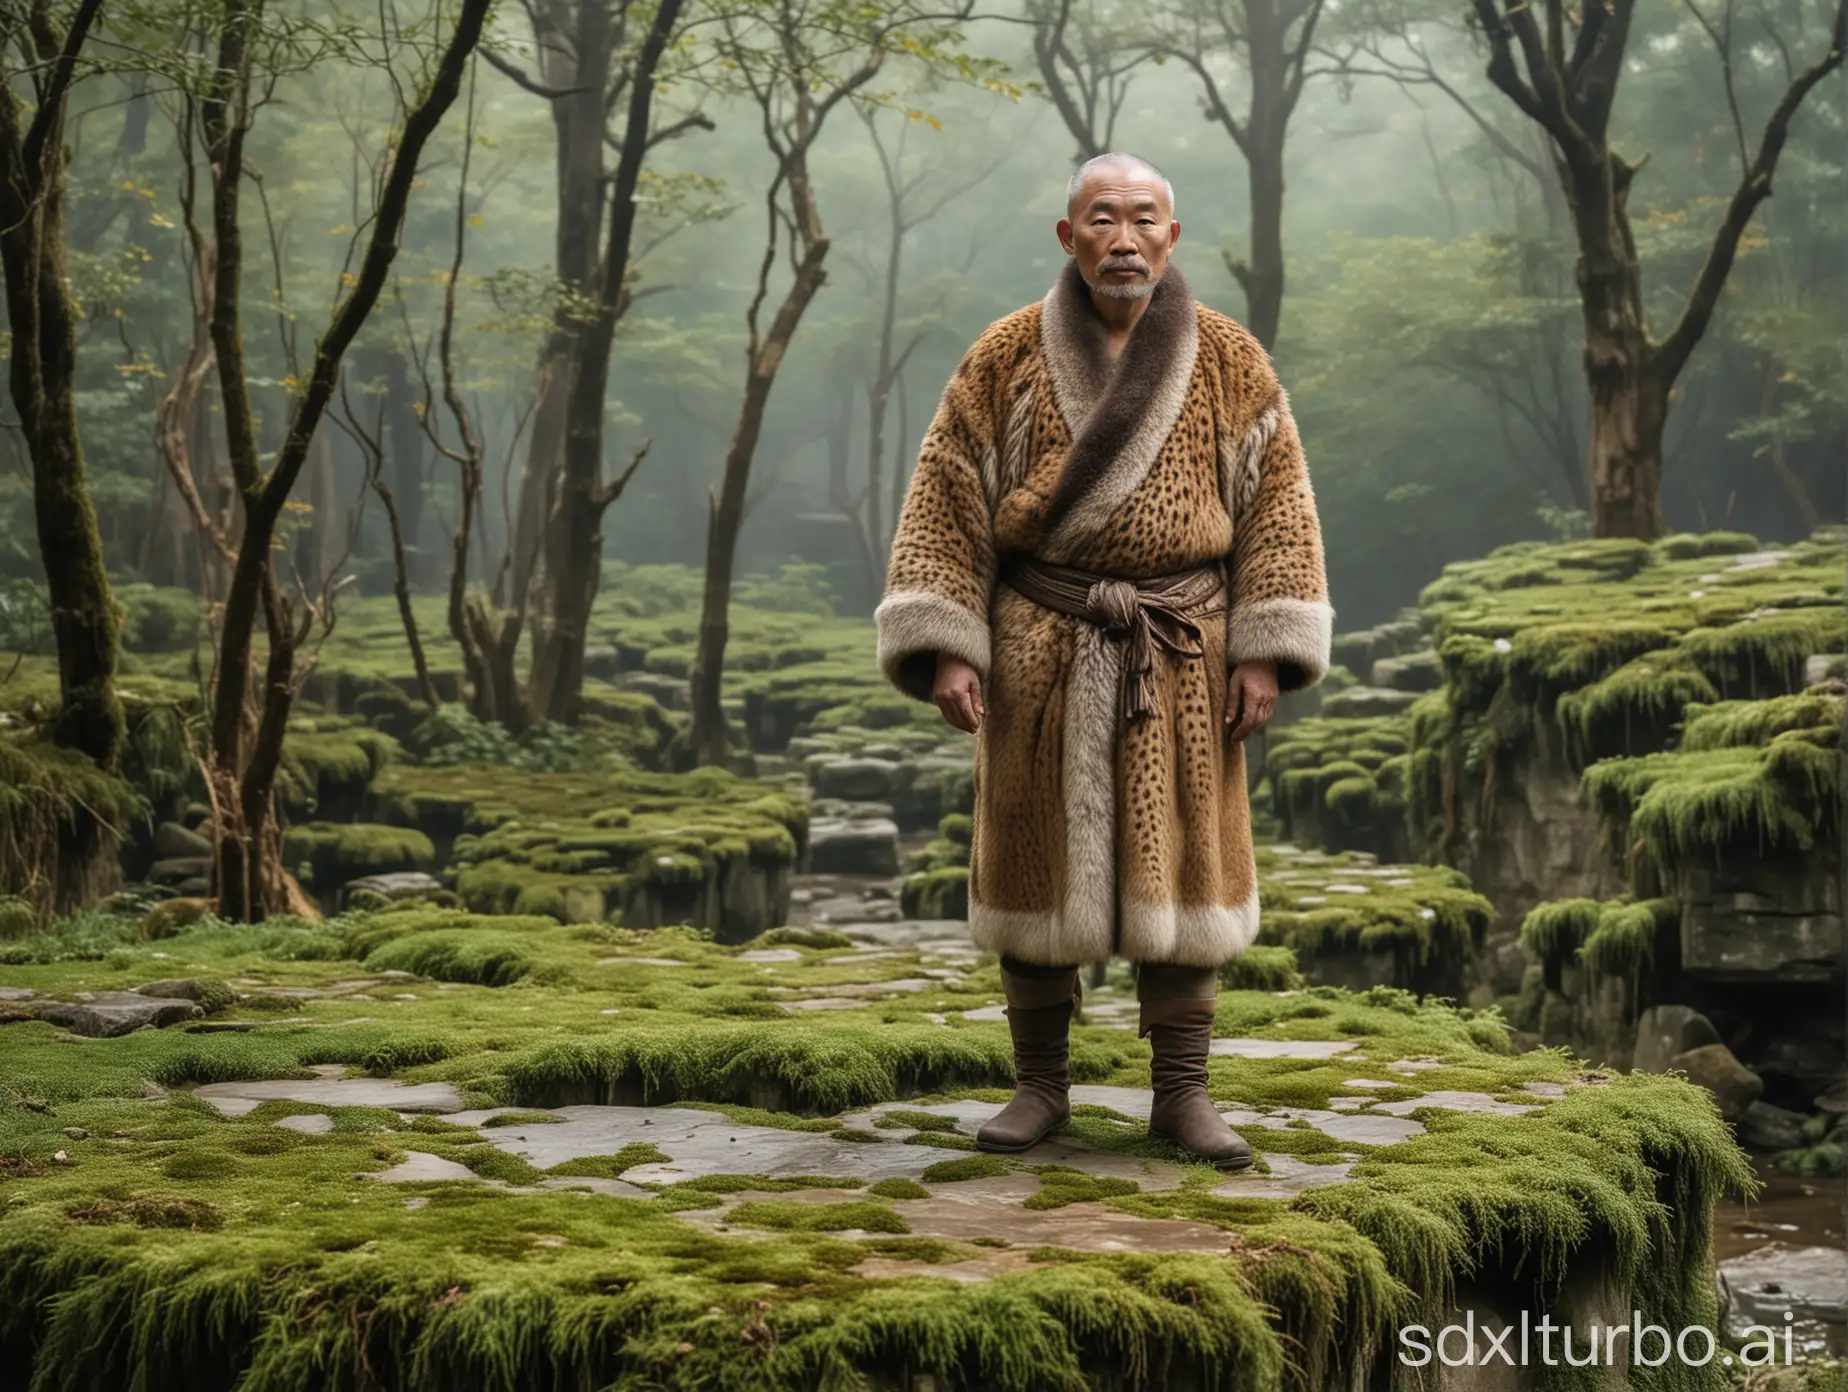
1800,1211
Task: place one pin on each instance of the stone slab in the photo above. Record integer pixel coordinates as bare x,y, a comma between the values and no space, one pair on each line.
1281,1048
108,1014
1456,1102
418,1167
238,1099
317,1125
1288,1177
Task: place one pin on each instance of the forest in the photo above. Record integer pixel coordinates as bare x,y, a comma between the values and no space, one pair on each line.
451,458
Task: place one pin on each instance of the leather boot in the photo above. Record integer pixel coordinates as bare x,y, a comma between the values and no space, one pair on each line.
1177,1020
1040,1004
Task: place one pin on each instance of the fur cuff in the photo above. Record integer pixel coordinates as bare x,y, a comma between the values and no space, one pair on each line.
1296,634
914,626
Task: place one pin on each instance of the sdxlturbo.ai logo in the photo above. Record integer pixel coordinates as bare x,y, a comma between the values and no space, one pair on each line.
1547,1344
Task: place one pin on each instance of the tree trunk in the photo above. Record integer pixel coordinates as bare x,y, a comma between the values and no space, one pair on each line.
42,377
1628,414
401,588
1263,277
574,528
249,876
708,737
579,67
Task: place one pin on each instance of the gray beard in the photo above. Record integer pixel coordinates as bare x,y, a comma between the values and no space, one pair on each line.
1118,290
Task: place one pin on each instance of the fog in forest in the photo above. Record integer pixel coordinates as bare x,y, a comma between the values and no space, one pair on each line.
1430,332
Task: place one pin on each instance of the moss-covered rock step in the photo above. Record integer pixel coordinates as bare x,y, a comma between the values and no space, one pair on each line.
324,1234
646,849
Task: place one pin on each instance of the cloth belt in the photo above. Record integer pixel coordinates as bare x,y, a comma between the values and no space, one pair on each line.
1164,612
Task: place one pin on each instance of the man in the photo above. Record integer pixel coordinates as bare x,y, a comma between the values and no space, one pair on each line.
1107,567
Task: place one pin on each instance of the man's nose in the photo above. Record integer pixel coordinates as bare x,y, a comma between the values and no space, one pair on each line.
1122,241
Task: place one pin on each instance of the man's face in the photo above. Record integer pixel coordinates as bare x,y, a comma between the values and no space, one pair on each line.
1120,230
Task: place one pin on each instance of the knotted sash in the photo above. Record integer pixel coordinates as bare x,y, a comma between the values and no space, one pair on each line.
1143,614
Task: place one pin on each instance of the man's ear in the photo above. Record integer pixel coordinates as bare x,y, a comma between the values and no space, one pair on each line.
1174,235
1064,229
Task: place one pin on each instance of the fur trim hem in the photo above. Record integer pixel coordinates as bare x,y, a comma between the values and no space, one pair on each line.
914,626
1044,939
1188,935
1296,634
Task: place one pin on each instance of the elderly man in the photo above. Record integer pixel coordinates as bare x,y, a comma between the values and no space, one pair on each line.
1107,567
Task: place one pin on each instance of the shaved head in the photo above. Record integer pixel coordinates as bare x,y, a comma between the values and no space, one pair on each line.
1115,162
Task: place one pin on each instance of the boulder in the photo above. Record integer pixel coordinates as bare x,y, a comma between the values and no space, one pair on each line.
402,884
1835,1099
857,780
1765,1127
1414,671
174,842
1809,1282
184,988
853,846
166,919
1663,1031
179,870
1367,702
1734,1086
113,1013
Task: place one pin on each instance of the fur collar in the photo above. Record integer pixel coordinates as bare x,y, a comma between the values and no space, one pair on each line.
1119,414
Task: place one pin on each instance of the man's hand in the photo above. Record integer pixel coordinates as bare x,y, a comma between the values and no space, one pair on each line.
958,693
1251,697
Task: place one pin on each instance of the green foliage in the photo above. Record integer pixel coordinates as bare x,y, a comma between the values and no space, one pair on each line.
1262,968
61,820
1824,1149
1611,939
451,735
25,618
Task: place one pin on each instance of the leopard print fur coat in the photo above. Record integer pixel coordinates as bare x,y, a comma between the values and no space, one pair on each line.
1094,836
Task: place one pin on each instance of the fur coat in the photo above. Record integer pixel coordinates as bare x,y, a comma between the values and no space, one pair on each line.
1094,835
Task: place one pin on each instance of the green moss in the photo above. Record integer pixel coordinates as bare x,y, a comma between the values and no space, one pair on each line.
1636,709
1702,807
309,1269
969,1167
1555,931
611,1166
904,1119
1060,1186
801,1217
1735,724
580,846
61,821
902,1189
1764,656
1625,938
336,853
1311,905
1261,968
936,894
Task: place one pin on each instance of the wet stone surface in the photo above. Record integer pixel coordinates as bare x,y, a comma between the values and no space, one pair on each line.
238,1099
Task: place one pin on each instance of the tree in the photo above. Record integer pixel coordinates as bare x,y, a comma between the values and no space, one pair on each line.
796,61
1570,94
1272,41
916,192
593,67
244,761
38,47
1085,67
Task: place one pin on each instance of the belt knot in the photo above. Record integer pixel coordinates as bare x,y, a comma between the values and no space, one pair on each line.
1114,606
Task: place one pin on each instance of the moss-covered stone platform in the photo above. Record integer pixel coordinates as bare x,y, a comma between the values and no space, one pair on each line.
422,1148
